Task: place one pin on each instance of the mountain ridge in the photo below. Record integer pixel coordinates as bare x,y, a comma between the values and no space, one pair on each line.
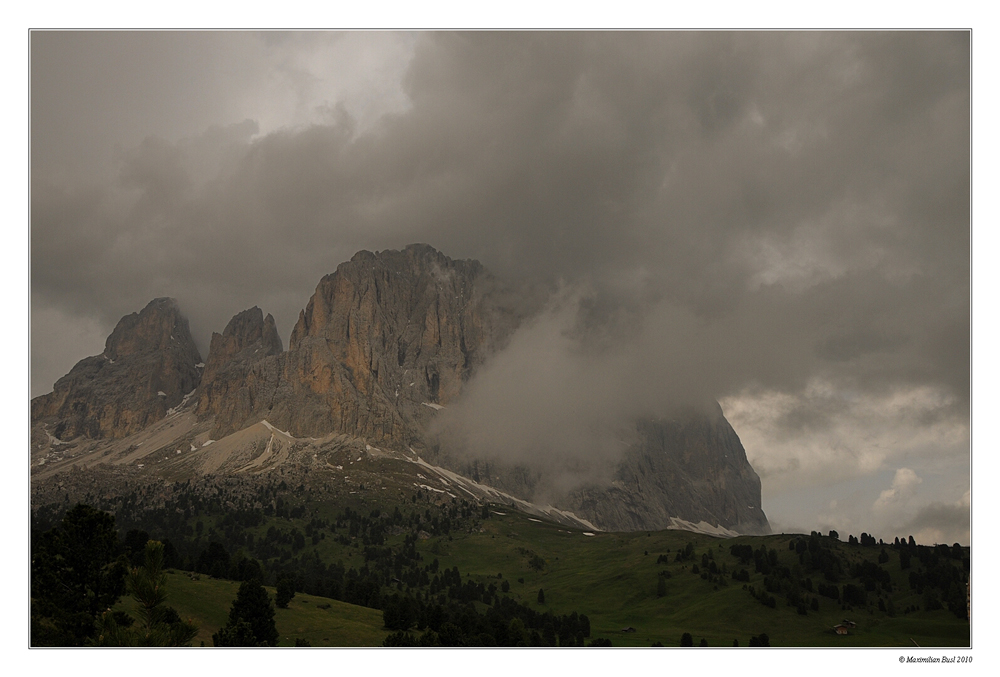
150,362
384,343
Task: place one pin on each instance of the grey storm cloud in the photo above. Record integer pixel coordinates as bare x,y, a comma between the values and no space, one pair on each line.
722,211
942,519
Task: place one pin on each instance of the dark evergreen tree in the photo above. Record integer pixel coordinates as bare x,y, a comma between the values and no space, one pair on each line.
400,639
75,575
171,558
213,561
451,635
285,592
246,569
253,608
399,613
687,639
158,625
135,546
541,596
238,634
855,595
549,632
516,634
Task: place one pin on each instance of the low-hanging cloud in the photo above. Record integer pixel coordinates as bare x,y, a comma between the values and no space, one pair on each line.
562,396
940,522
734,216
903,485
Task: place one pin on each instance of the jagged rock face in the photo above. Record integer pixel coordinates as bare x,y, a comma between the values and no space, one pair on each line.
149,363
385,341
383,336
235,371
692,466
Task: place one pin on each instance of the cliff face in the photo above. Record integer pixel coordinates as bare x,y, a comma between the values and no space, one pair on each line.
238,369
384,342
382,338
149,363
692,467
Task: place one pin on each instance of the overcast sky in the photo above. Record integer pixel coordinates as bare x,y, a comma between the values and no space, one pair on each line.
779,221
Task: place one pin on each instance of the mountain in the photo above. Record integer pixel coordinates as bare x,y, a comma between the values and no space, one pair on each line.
385,342
691,467
381,336
237,370
686,471
149,363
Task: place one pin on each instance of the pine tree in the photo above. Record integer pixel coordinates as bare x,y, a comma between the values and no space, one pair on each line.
239,633
285,592
74,577
157,624
251,619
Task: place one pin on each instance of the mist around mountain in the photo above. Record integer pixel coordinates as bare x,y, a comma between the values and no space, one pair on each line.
417,356
380,451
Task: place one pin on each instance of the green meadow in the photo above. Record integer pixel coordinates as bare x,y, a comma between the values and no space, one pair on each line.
318,620
615,579
612,577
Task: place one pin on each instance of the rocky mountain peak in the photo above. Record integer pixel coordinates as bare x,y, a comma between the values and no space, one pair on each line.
248,330
690,466
382,289
387,333
150,362
152,329
236,373
385,342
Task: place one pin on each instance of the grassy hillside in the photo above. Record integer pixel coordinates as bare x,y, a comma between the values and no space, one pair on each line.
321,621
614,579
